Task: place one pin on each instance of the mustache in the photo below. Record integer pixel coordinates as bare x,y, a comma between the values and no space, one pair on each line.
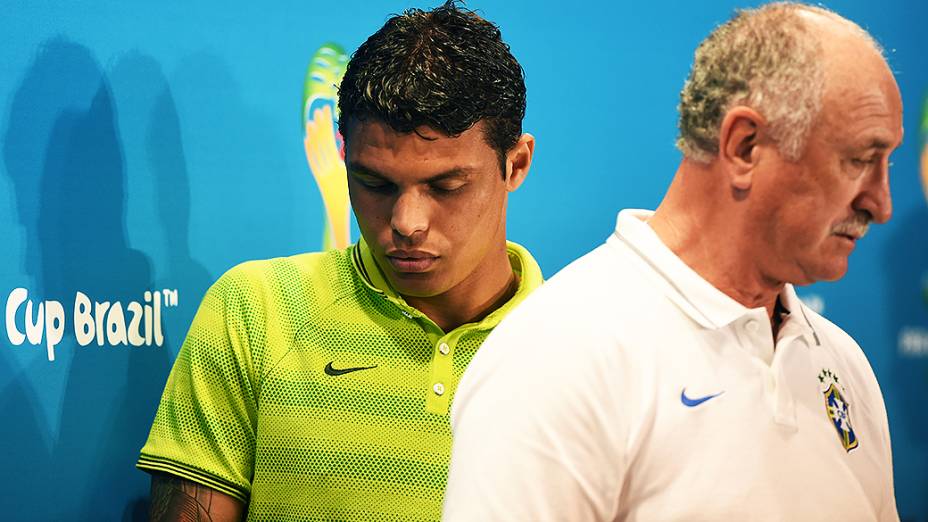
855,226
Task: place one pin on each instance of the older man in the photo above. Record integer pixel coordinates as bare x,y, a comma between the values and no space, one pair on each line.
672,373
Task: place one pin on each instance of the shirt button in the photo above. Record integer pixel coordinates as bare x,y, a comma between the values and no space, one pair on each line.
438,388
752,326
443,348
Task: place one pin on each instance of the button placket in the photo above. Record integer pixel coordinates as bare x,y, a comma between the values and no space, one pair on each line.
793,358
758,337
442,374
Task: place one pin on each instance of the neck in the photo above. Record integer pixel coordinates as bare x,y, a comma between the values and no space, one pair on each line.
482,292
701,222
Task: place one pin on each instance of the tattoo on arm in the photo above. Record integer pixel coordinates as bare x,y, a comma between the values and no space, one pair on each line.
174,499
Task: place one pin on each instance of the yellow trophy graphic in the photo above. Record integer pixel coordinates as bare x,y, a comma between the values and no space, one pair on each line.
323,144
924,137
925,148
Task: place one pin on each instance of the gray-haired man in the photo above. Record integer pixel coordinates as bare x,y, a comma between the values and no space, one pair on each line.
672,373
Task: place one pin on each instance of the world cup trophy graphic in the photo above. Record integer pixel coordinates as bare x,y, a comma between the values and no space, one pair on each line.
324,146
924,136
924,169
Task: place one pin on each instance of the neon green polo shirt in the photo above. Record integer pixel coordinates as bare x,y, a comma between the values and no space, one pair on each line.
309,389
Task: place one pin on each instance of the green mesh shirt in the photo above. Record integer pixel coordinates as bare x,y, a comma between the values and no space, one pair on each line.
307,388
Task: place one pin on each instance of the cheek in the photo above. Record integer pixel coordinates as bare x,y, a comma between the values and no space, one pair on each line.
482,211
371,212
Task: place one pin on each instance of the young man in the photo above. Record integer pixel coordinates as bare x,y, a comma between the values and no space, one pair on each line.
672,373
318,386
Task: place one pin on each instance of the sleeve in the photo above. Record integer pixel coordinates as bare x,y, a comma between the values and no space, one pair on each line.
535,436
874,410
204,429
888,511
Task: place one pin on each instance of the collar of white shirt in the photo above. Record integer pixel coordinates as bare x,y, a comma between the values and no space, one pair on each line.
704,303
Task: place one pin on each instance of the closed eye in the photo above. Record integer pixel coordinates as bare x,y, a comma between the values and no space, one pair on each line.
374,184
860,166
446,188
863,162
379,187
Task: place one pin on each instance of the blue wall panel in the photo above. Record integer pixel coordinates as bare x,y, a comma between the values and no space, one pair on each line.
150,147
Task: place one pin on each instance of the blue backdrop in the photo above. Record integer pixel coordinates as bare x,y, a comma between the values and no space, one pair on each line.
148,147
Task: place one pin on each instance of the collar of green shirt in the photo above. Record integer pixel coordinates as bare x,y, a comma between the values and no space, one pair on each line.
523,264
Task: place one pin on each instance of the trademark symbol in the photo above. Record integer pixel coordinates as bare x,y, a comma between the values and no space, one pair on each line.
170,297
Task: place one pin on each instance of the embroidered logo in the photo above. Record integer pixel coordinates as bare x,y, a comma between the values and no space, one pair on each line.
693,402
837,408
334,372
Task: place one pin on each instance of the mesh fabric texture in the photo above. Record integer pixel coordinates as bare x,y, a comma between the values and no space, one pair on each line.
249,409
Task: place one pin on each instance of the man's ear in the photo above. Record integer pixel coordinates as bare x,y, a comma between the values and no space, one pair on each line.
518,161
739,137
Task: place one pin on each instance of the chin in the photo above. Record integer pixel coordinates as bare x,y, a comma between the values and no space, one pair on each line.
808,271
418,285
830,273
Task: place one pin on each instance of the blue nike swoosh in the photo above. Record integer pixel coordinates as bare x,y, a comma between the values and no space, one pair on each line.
696,402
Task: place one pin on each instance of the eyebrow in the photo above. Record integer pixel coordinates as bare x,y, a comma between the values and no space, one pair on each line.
357,168
878,143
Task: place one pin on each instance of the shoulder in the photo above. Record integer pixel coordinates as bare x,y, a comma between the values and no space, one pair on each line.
563,300
843,349
841,345
567,329
299,279
259,306
588,297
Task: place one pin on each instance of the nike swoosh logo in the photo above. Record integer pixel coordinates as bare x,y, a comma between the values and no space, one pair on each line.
329,370
696,402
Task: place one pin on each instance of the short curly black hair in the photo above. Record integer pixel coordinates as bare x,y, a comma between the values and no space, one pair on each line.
447,68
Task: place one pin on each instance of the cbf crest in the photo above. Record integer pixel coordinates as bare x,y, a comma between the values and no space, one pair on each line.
836,407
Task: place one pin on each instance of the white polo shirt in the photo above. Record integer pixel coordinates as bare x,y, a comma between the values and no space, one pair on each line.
629,388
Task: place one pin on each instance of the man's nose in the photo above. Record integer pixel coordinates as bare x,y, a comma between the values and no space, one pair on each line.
410,214
875,195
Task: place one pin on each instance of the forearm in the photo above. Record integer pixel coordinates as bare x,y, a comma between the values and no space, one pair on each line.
174,499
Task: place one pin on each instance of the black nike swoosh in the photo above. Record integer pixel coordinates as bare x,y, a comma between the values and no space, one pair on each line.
342,371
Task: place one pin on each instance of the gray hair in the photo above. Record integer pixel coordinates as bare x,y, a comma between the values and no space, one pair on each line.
767,59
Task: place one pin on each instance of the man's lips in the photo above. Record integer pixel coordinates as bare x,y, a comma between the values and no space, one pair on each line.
854,228
850,238
411,261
